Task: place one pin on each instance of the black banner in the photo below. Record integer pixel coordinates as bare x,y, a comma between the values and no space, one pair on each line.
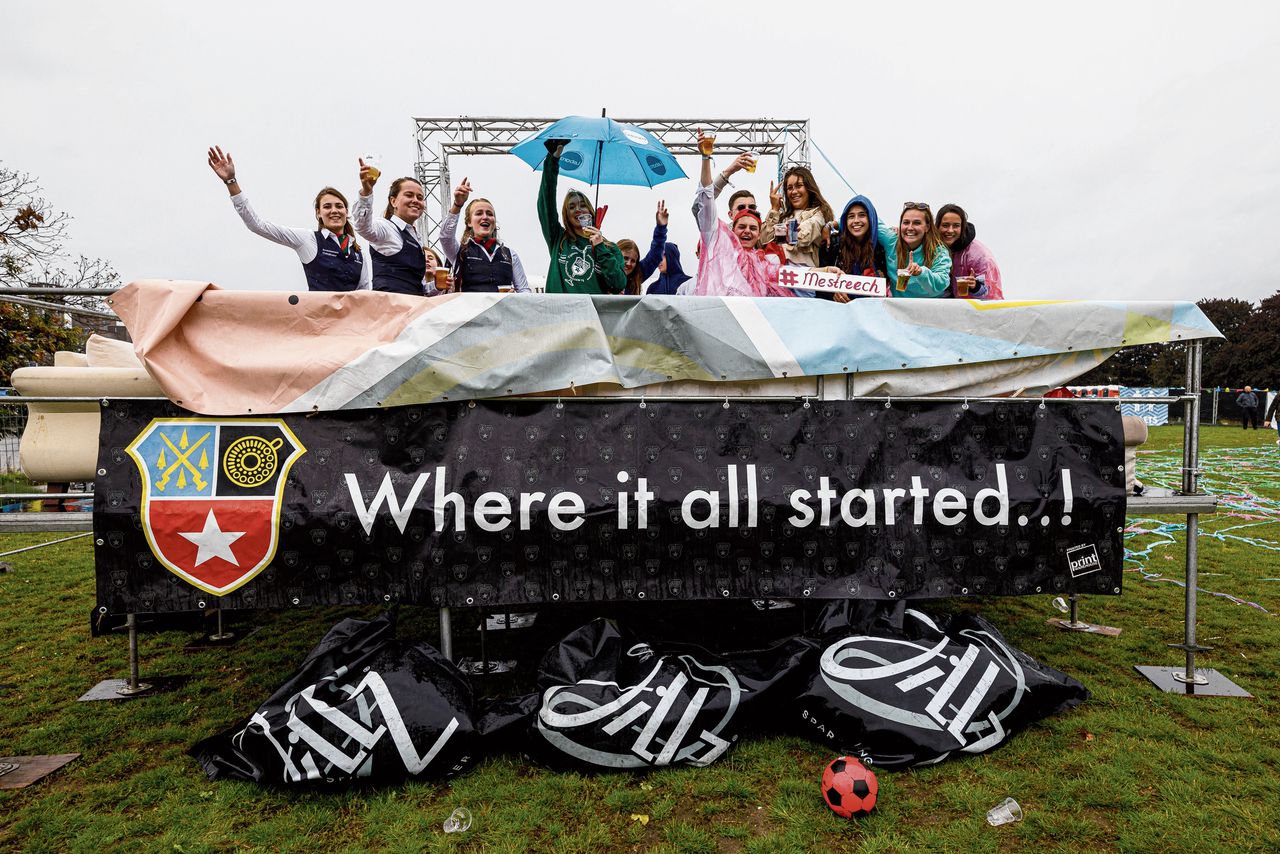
491,502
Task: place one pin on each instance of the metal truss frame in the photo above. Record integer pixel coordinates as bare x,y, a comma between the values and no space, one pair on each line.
440,138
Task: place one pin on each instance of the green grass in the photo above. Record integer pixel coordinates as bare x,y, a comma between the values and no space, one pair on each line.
1132,770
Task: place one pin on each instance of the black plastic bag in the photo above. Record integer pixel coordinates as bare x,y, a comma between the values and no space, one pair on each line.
611,701
940,685
363,707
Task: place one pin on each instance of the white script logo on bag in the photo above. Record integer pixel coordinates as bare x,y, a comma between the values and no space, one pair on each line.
937,690
677,714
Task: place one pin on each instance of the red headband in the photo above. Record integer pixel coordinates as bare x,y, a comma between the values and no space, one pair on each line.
746,212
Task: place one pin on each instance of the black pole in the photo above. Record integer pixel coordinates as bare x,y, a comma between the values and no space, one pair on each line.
599,155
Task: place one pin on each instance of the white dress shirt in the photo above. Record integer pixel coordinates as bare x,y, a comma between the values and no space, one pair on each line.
300,240
449,243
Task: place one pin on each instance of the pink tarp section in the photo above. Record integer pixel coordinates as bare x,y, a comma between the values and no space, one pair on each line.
254,350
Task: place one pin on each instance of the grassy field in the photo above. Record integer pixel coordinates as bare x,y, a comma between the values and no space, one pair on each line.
1131,770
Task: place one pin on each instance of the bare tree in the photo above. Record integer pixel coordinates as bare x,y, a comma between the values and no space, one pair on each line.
31,231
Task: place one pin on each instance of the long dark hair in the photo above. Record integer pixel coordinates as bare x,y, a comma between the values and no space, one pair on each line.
815,195
346,228
395,191
856,256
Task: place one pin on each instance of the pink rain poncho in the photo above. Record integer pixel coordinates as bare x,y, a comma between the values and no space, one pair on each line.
728,270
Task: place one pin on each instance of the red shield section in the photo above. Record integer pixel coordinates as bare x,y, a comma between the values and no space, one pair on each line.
216,556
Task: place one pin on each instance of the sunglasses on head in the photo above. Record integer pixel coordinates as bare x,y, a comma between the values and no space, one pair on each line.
915,206
743,206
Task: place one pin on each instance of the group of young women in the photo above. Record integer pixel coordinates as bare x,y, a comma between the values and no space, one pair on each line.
921,257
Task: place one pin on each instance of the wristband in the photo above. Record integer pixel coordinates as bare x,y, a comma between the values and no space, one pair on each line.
229,181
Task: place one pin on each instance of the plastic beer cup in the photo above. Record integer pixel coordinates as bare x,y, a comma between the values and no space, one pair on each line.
374,164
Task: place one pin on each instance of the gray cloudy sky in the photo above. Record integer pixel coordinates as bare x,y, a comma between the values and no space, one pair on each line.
1118,149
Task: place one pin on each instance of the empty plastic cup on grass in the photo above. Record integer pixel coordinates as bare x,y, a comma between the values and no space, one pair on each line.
1004,812
460,820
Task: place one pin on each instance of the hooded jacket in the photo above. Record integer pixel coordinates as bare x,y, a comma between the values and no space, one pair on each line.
969,257
669,282
876,249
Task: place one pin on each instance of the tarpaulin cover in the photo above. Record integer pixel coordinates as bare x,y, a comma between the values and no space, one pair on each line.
222,351
363,707
612,701
937,685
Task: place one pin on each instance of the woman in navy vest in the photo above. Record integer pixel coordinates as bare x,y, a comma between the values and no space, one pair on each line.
481,264
330,255
399,264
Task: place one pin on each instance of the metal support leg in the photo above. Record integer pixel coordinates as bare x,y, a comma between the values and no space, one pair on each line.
1204,683
133,686
446,634
221,636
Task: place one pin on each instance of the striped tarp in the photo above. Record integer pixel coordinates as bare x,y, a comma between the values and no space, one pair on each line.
223,351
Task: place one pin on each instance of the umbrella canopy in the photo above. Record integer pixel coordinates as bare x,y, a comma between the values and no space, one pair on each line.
602,151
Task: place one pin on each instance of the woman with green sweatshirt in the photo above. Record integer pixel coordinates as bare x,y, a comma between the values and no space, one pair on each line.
582,261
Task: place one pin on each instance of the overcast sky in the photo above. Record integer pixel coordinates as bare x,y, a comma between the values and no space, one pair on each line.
1103,150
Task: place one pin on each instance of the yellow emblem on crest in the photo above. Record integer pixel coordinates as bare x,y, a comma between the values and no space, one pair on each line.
251,460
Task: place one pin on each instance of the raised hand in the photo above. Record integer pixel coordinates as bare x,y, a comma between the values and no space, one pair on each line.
661,216
775,197
222,164
368,177
742,161
461,193
912,269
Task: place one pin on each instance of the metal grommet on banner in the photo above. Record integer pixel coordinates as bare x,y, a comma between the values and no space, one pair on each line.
296,600
893,594
806,403
965,405
725,405
102,609
386,597
102,472
471,404
724,593
99,541
888,403
643,405
471,600
201,604
555,597
1042,403
640,595
964,590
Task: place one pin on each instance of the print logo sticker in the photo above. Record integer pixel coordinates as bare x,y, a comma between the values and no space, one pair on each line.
1083,560
211,495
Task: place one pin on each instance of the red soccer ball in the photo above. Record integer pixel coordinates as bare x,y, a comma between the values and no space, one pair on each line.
849,788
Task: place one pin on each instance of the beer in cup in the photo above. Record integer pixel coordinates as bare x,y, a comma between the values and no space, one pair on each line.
751,167
442,278
707,144
374,164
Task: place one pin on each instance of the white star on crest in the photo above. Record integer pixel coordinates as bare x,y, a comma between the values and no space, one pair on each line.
214,542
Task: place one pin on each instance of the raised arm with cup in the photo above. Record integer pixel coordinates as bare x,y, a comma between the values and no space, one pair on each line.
331,257
582,261
399,265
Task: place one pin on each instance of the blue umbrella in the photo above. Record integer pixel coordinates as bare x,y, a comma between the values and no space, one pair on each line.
602,151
